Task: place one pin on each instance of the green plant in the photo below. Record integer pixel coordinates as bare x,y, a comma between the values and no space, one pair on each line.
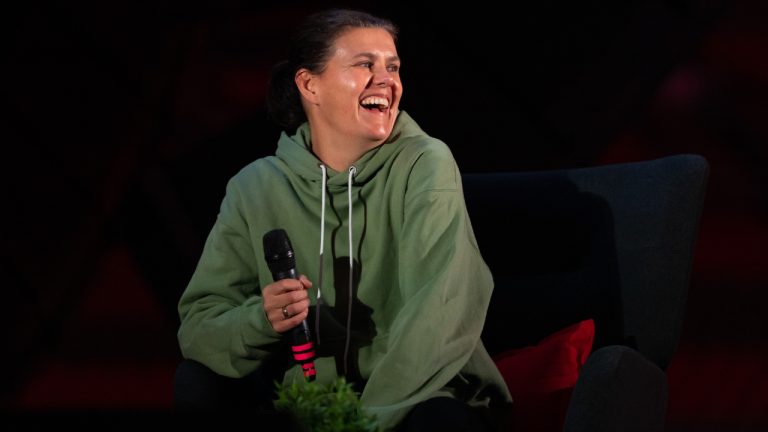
333,407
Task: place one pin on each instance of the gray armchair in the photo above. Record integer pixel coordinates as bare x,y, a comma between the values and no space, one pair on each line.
613,243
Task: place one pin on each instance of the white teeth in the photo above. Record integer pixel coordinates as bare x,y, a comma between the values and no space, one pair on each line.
375,100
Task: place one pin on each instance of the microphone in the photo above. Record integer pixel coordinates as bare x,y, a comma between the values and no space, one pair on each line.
282,263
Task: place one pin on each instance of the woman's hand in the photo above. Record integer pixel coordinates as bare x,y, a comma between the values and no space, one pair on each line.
286,302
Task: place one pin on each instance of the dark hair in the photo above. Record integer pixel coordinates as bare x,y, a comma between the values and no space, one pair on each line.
310,48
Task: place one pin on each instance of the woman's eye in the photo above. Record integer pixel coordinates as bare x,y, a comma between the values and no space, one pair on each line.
393,68
367,65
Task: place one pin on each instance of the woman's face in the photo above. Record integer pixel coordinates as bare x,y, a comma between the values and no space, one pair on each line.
359,91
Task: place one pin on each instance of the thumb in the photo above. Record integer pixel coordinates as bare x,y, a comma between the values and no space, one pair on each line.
305,281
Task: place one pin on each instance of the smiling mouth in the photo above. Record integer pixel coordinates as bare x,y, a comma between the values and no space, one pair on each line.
375,103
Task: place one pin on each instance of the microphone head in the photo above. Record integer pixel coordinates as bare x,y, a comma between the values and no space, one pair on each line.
278,251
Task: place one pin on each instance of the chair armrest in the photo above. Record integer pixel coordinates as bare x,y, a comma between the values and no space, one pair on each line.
618,390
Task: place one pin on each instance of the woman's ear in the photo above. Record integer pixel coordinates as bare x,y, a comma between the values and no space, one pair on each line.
306,82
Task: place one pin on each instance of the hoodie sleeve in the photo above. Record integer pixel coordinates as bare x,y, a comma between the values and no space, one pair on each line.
445,286
223,324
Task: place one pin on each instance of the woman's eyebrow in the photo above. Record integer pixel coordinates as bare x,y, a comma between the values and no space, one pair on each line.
372,56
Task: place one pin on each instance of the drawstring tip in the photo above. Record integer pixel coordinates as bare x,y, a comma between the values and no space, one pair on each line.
317,319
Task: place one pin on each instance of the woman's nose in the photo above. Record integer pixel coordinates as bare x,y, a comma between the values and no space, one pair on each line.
383,78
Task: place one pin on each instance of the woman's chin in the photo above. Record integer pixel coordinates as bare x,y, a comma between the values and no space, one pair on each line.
378,125
379,132
379,135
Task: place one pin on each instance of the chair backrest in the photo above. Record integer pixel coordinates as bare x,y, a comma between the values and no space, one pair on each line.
614,243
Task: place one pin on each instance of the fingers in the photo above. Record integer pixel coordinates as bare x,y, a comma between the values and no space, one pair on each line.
282,324
286,285
304,281
286,302
292,309
282,292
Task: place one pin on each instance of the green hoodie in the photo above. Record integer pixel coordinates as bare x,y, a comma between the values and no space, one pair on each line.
420,287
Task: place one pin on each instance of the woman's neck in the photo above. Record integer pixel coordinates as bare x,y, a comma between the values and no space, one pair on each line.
339,155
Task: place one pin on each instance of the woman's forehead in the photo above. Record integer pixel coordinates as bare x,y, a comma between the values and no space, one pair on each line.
356,41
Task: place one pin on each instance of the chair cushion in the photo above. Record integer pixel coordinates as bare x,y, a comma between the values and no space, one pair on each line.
541,377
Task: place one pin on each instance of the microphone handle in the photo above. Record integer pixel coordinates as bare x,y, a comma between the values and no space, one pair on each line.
302,347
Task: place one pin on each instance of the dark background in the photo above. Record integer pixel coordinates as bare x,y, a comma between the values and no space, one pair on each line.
124,122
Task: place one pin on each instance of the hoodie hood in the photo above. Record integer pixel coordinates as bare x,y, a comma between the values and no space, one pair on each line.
296,152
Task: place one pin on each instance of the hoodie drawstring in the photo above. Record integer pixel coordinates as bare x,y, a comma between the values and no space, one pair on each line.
352,172
322,247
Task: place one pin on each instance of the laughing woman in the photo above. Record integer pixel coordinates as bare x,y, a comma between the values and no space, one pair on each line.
399,290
